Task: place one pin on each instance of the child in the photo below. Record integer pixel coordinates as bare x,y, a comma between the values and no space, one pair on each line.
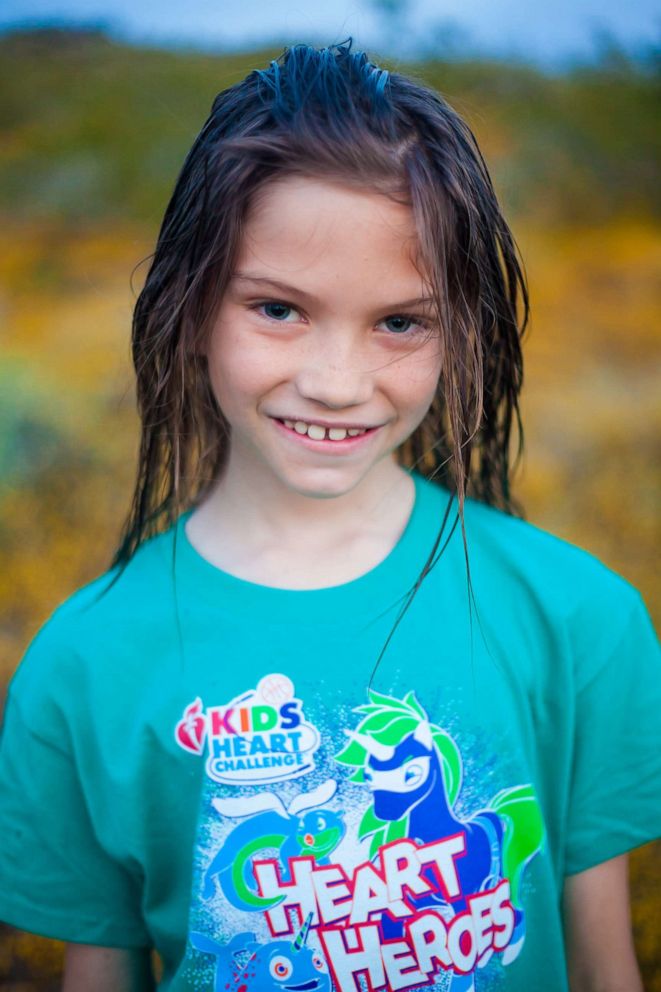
346,722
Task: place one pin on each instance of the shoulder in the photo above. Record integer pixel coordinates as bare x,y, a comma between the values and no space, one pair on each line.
520,564
94,626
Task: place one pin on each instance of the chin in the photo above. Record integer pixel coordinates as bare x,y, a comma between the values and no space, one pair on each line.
321,485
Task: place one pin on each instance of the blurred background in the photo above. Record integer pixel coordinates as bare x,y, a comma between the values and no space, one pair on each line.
99,103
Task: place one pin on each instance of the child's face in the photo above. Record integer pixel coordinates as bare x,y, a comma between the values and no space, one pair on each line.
340,342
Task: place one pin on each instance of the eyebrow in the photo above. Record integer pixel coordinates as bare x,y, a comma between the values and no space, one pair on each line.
283,287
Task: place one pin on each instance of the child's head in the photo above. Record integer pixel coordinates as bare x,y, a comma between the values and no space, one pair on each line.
325,329
332,117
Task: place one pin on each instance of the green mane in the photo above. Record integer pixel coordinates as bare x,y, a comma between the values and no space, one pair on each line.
388,721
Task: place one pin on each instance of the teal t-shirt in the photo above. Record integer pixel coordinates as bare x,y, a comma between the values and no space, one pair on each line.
204,765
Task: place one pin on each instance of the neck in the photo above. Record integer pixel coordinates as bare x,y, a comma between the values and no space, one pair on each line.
431,817
277,536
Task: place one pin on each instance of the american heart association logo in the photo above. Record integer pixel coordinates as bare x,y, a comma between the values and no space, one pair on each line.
191,729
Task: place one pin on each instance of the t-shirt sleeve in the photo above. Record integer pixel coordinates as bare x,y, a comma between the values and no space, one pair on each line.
55,877
615,796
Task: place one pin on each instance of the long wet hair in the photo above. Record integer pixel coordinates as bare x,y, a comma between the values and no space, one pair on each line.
330,113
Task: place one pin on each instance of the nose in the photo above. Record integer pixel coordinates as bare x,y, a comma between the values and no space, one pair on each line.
333,371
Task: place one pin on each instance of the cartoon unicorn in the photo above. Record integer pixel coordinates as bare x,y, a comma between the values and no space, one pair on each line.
413,770
300,829
244,965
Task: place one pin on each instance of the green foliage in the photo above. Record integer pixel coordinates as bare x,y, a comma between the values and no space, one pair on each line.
94,130
94,134
28,442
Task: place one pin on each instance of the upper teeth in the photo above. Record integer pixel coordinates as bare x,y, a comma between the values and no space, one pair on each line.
319,433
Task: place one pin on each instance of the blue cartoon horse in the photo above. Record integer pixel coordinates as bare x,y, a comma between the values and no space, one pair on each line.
245,965
410,766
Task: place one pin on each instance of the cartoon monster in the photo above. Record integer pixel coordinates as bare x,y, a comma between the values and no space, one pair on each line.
301,829
414,770
244,965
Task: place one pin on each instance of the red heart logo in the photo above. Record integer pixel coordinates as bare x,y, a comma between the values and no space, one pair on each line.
192,728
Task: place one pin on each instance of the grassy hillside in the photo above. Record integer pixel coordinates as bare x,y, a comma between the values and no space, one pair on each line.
96,131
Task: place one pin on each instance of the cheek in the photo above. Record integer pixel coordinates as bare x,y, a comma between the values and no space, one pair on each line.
240,370
415,381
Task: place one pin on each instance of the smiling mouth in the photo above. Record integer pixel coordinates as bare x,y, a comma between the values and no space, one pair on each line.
318,432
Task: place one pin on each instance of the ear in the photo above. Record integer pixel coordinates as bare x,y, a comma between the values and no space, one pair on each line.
422,734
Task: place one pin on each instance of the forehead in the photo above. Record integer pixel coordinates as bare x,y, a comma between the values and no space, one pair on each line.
317,234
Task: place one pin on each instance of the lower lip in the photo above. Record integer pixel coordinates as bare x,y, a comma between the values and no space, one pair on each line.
332,447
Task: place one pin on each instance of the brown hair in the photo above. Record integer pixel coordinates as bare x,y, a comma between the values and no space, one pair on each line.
330,113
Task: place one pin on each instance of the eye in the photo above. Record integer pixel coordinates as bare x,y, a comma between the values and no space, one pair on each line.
276,310
406,325
318,962
321,823
413,774
367,775
280,967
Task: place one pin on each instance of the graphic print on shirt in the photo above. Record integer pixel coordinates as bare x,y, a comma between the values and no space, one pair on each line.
243,963
368,878
261,736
